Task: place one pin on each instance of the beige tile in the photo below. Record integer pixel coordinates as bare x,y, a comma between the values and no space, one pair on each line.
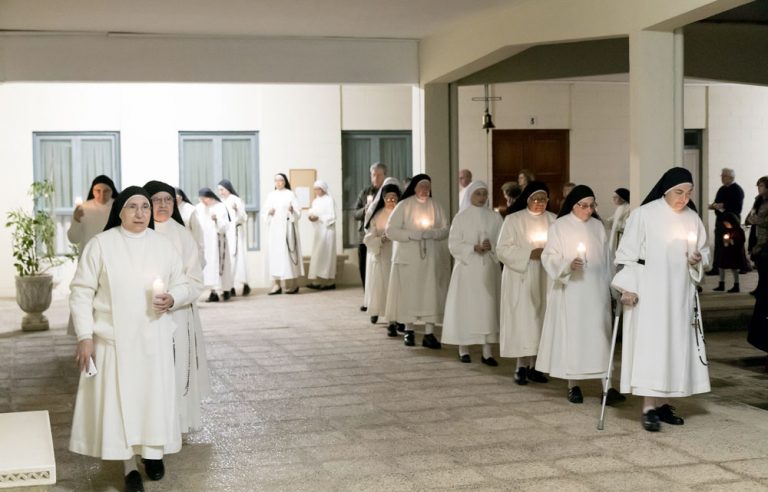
697,474
751,468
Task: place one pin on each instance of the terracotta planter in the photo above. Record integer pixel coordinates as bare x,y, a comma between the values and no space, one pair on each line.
33,294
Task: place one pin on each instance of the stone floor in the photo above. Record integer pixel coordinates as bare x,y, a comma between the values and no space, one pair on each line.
308,395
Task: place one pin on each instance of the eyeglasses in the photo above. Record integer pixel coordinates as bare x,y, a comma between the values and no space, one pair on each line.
159,200
539,200
134,208
390,199
585,206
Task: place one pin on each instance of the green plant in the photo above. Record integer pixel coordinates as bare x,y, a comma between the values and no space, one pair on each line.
34,235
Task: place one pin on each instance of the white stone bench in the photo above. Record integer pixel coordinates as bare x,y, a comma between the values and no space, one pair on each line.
26,450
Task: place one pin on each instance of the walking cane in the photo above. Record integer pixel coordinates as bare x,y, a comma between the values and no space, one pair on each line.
607,381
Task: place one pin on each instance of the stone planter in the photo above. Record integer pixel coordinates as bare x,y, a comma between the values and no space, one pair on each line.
33,294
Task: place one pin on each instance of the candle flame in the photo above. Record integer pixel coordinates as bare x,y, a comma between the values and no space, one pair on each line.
692,239
581,248
78,201
158,286
424,222
727,237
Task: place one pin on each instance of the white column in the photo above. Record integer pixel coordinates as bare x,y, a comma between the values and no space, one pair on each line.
437,142
655,108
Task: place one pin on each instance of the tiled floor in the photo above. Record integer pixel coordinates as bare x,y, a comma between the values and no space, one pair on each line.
308,395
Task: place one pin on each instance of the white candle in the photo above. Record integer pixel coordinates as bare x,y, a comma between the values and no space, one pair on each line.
539,239
369,199
78,201
425,223
581,251
158,287
692,240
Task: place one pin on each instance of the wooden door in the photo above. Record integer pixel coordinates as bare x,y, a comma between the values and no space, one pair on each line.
543,152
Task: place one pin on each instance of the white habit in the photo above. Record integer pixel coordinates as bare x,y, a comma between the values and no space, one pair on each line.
95,216
190,359
659,353
192,223
524,283
575,338
323,261
379,260
217,273
617,223
419,279
129,406
283,242
472,305
238,248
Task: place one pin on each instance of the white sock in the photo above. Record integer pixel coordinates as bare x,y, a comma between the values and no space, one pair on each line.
649,403
572,383
429,328
463,350
520,363
409,327
129,465
487,352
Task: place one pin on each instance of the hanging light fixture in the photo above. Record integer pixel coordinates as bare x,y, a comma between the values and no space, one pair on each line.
487,118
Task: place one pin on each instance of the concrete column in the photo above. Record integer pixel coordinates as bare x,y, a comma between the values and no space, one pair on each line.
436,143
655,108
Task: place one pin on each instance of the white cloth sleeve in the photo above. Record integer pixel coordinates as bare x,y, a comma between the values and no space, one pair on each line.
83,289
553,258
512,254
396,230
462,248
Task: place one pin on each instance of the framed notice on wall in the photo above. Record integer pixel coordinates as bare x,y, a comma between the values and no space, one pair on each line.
302,181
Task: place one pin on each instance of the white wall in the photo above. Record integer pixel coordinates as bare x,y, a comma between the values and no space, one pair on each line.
299,127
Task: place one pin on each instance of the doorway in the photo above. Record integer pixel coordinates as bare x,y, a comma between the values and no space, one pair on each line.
543,152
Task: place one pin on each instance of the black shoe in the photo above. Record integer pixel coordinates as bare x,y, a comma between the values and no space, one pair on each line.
328,287
465,358
275,292
651,421
536,376
363,308
490,361
430,341
521,377
667,415
734,289
374,319
232,292
314,286
133,482
613,397
400,327
392,330
246,289
155,469
214,297
720,287
294,291
575,396
226,295
410,339
699,289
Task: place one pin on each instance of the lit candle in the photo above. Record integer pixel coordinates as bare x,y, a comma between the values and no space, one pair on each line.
540,239
692,240
78,201
496,209
581,251
158,287
369,199
425,223
727,237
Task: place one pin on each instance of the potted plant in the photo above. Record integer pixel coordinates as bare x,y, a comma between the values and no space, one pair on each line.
34,253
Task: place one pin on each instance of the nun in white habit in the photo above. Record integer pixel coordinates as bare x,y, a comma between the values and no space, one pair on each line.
191,221
284,260
380,253
662,256
575,338
192,382
238,249
421,262
214,217
127,280
619,219
524,283
472,306
322,214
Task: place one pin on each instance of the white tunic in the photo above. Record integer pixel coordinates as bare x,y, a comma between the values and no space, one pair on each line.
217,273
323,262
659,352
379,261
575,338
238,248
129,407
192,223
421,268
472,306
617,223
95,216
284,258
524,283
192,382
